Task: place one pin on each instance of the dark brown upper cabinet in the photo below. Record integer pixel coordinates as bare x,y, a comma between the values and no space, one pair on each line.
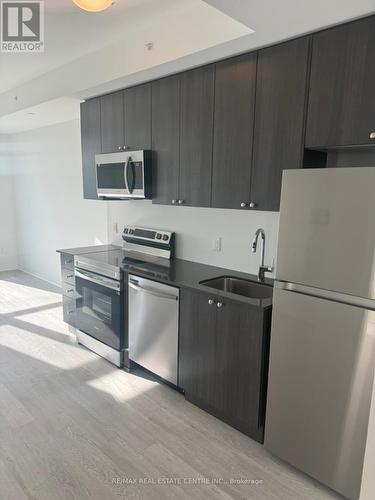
233,131
222,134
279,119
137,117
166,139
341,108
197,112
112,122
91,145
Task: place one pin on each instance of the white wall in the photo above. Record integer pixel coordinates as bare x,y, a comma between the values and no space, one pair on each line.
197,227
50,210
8,243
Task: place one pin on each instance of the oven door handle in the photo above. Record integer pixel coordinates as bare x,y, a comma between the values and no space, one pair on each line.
99,280
155,293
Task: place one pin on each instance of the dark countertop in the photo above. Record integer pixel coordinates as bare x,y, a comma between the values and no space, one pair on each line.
184,273
187,274
82,250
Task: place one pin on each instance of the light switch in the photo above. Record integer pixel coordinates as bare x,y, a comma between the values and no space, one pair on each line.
216,244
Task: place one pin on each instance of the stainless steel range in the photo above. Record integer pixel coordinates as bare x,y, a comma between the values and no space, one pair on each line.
101,303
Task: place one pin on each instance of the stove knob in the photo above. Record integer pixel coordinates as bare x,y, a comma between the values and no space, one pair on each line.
158,236
131,231
126,230
165,237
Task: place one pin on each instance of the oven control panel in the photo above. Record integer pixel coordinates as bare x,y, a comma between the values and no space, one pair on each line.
149,235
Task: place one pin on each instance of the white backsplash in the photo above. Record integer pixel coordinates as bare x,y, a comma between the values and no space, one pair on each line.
196,229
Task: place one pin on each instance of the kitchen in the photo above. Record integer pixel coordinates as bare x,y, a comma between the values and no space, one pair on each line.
181,266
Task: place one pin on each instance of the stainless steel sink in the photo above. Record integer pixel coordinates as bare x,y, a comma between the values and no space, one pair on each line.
240,286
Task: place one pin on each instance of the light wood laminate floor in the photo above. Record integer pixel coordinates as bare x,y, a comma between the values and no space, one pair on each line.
72,426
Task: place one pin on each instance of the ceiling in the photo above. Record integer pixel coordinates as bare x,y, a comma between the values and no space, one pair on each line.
88,54
71,33
58,110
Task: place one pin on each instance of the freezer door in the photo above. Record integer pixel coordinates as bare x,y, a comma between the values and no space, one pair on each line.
320,385
327,229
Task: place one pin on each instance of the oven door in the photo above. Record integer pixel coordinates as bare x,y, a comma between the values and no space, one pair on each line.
120,175
99,311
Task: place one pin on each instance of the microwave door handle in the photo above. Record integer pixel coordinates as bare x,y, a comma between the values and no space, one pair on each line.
126,174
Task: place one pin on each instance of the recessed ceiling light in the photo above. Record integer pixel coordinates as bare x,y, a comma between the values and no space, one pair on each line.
94,5
30,113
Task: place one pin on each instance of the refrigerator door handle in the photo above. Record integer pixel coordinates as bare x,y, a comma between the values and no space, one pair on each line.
320,293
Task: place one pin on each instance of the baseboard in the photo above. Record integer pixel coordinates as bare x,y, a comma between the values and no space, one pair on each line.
58,285
8,269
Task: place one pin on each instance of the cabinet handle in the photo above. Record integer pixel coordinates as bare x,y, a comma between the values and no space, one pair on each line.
120,148
211,302
174,202
252,204
181,202
70,276
243,204
70,291
219,305
372,135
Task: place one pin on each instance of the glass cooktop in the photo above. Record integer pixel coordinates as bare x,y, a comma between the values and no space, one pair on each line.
129,260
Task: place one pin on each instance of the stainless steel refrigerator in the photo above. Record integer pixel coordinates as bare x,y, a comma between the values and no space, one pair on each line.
323,327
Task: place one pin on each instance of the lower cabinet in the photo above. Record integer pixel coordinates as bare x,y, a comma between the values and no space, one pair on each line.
223,358
68,288
69,309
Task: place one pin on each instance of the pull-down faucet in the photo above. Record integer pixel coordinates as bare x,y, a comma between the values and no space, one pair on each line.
262,268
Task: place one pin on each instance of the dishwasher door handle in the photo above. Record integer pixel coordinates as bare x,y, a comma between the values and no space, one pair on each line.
155,293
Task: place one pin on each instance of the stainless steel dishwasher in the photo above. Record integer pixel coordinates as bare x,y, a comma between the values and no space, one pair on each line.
153,326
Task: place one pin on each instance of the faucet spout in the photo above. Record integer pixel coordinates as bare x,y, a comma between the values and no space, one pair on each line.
262,268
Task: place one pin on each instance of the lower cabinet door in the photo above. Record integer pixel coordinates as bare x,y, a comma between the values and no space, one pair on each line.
238,366
197,347
223,355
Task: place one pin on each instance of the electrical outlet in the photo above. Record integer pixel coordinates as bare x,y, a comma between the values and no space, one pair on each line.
216,244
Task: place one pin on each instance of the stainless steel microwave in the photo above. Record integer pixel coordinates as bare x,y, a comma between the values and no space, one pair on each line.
125,175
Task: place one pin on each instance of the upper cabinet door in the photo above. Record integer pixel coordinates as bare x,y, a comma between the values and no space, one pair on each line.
197,111
91,145
233,130
341,102
112,122
279,119
137,116
166,139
